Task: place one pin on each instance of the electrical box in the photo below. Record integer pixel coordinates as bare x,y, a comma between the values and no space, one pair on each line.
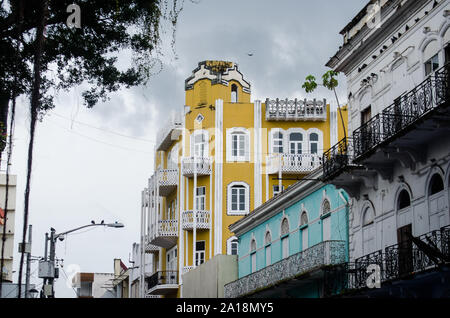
27,248
46,269
48,290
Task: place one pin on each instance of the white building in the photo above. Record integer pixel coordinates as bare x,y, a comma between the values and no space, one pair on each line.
396,162
135,271
6,271
94,285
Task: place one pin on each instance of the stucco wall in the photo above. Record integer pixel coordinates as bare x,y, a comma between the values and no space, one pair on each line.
220,270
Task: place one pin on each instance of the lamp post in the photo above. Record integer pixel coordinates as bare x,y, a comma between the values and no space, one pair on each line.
47,269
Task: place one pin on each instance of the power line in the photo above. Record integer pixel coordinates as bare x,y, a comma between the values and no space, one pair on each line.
99,141
104,130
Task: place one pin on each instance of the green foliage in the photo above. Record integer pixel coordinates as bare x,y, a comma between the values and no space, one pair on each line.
310,84
328,80
87,55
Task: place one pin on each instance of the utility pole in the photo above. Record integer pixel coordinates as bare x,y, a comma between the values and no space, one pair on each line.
27,280
51,280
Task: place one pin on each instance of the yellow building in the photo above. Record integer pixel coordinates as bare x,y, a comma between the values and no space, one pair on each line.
219,159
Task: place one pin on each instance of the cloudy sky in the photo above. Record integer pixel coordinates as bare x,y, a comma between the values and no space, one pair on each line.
91,164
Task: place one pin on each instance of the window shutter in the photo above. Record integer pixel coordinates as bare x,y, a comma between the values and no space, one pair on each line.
247,146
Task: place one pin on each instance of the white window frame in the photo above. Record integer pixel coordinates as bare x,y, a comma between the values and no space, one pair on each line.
200,254
246,210
230,242
205,143
272,140
200,199
319,142
240,157
268,248
253,255
304,142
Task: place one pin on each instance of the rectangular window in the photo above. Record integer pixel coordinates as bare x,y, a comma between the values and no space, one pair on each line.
285,246
238,146
277,143
432,65
253,261
238,199
268,255
200,197
447,54
199,253
366,114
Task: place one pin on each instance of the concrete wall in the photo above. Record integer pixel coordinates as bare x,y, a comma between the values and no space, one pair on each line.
208,280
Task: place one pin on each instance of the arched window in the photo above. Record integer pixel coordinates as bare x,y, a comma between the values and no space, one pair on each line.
326,208
404,200
368,230
313,143
304,219
431,57
234,93
285,237
253,255
233,246
268,248
238,198
326,220
304,230
436,184
295,143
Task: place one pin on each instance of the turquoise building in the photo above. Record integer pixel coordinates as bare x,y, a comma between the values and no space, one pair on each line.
291,245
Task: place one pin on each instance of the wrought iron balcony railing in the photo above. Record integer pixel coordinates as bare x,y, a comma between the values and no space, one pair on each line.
403,259
162,278
295,110
433,92
202,220
315,257
337,158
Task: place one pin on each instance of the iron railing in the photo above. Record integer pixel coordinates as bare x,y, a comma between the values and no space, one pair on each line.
401,260
405,111
162,278
433,92
337,158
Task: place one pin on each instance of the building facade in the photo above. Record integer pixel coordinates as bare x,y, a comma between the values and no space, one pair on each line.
216,161
8,219
94,285
288,244
396,163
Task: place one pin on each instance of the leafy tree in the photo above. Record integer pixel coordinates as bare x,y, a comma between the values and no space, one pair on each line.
40,53
330,82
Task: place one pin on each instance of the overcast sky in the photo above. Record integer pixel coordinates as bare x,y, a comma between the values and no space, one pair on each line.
87,168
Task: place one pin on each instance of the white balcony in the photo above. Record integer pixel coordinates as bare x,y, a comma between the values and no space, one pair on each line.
170,132
202,220
150,248
202,165
164,233
167,181
296,110
293,164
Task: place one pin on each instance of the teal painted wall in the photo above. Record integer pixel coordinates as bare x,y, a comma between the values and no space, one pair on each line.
312,204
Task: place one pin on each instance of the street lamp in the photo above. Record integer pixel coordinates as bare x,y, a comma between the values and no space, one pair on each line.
47,269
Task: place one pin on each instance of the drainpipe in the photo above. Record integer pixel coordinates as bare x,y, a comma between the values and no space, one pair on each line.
347,228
